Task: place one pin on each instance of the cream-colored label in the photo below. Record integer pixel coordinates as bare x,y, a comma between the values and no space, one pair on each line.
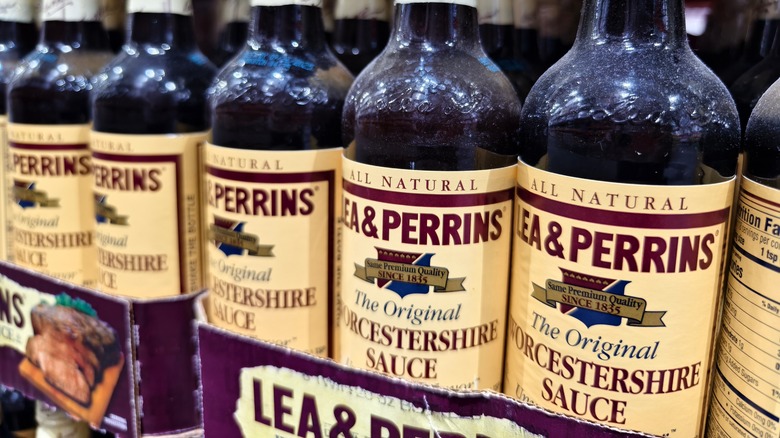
525,13
236,11
53,214
425,266
328,9
6,184
271,253
318,406
472,3
17,302
70,10
498,12
615,289
746,394
316,3
147,205
181,7
361,9
113,13
20,11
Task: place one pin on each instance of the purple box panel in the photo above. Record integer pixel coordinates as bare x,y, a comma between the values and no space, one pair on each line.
166,361
67,346
282,398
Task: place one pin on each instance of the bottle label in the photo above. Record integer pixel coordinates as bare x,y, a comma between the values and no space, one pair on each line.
19,11
525,13
615,289
236,11
745,392
147,206
113,14
6,183
272,239
472,3
65,10
362,10
181,7
425,273
497,12
52,200
315,3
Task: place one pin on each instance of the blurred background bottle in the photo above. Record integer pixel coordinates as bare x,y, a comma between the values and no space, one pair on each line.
233,32
361,30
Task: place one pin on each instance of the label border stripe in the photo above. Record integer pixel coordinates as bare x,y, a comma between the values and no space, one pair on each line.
49,147
269,177
429,200
624,218
755,259
755,197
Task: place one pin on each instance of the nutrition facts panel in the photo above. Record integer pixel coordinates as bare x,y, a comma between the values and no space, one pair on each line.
746,396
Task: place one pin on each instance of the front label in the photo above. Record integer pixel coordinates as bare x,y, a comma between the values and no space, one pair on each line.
525,12
746,396
52,201
20,11
181,7
362,10
614,296
147,207
425,271
271,227
498,12
6,183
67,10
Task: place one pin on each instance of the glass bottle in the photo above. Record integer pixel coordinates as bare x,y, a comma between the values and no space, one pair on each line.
626,139
276,139
232,37
497,33
114,12
755,46
723,39
18,35
752,84
18,414
150,119
431,129
49,119
745,363
526,40
361,30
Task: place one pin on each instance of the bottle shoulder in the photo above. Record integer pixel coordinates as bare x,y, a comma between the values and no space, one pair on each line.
52,68
140,74
670,89
454,83
294,80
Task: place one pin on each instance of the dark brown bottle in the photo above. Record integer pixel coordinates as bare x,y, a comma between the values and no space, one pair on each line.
557,24
762,155
431,112
232,37
497,32
18,417
49,110
526,40
628,122
278,105
113,17
723,40
360,32
756,44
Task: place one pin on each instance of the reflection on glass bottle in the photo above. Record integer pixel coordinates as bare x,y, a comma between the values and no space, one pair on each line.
361,31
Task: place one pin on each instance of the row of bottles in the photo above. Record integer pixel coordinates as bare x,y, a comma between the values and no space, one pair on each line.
619,207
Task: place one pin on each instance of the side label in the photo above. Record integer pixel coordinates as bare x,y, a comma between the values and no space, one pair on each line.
6,184
746,393
615,291
52,201
425,269
271,228
147,208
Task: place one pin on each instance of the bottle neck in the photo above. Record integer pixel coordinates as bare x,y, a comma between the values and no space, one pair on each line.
87,35
21,36
633,22
287,26
157,28
452,24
